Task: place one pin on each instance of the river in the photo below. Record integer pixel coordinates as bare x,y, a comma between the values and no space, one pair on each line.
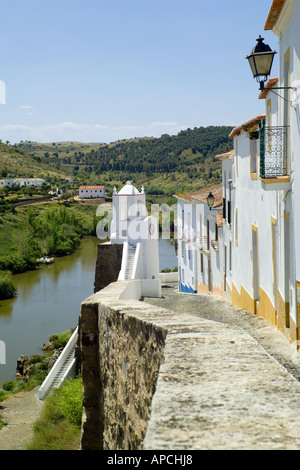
49,299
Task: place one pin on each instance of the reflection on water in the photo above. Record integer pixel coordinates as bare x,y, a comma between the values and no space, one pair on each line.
49,299
167,257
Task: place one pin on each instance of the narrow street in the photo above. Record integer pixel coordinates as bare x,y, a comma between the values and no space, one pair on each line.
216,309
232,385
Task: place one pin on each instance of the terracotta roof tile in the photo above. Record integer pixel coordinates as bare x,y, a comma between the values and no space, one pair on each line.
223,156
217,191
91,187
270,83
220,218
202,194
247,125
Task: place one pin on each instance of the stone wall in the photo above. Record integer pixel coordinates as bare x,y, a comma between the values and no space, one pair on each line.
122,348
108,265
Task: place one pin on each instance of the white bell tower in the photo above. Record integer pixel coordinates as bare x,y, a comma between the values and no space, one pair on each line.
129,209
139,234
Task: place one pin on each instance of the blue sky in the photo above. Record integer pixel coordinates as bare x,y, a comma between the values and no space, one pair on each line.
102,70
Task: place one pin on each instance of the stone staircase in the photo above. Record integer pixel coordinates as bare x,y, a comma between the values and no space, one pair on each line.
63,368
130,262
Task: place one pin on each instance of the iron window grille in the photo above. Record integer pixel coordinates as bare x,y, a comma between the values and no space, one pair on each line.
273,151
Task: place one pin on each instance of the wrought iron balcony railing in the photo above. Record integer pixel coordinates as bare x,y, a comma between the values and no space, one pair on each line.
273,151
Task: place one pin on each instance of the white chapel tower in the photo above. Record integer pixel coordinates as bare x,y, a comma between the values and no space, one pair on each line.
139,234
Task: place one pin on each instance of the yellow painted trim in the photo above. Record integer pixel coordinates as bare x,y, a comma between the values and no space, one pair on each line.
277,179
266,308
243,299
286,218
274,258
255,229
253,175
283,314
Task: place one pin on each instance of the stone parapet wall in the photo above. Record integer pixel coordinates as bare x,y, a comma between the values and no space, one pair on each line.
108,265
156,379
122,348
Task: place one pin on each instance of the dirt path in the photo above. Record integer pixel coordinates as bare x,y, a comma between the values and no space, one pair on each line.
20,412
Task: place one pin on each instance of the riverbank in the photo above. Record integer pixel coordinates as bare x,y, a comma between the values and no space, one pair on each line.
48,302
27,234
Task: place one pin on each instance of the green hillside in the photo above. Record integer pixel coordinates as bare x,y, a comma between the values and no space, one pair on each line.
14,162
165,165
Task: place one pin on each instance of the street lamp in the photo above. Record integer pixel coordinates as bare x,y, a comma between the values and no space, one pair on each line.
261,60
210,200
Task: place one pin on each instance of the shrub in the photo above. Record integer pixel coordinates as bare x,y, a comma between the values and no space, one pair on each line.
59,425
61,339
7,287
8,386
14,263
69,400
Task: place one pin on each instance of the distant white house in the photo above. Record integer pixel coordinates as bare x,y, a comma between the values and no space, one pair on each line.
90,192
28,181
35,182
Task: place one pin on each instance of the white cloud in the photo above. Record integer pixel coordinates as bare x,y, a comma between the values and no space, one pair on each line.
71,131
26,107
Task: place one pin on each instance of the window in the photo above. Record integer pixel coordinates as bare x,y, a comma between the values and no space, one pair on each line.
253,158
230,256
229,212
207,233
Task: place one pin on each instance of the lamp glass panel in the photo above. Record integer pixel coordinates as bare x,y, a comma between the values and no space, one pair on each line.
210,200
252,65
263,63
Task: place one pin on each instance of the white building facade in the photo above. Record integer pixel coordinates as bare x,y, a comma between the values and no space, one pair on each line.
200,230
139,234
33,182
266,189
258,264
91,192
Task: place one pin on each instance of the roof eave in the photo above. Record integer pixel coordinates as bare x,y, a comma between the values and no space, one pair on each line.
274,14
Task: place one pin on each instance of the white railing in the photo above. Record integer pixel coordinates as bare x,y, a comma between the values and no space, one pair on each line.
63,368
